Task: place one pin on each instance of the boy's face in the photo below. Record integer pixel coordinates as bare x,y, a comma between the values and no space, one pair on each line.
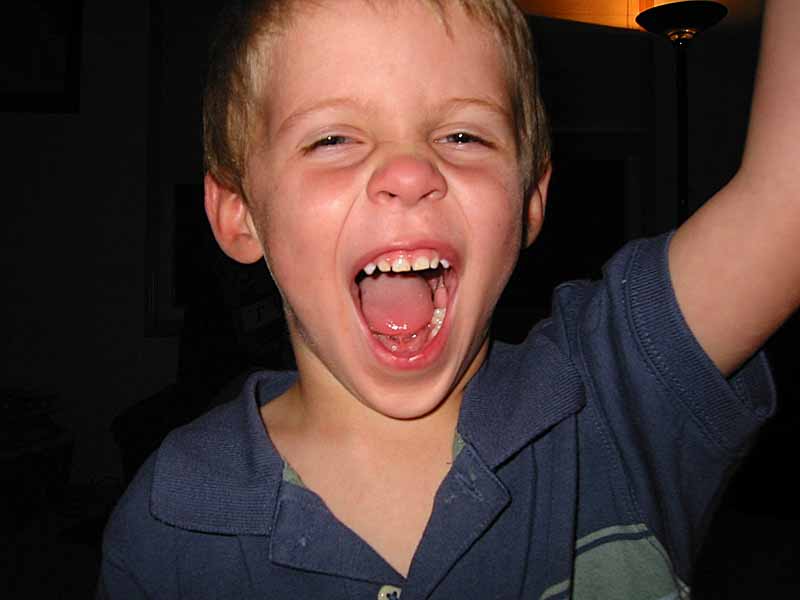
387,138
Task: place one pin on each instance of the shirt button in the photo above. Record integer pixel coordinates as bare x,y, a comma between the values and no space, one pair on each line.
389,592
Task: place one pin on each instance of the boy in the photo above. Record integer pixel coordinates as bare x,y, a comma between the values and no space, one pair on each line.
388,160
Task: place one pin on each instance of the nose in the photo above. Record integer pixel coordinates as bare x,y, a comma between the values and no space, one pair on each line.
406,179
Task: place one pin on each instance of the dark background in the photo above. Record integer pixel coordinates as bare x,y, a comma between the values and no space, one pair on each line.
121,319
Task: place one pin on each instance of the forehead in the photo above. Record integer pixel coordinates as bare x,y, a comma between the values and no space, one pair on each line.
389,52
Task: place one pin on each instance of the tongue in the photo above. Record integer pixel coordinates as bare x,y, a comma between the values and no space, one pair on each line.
396,304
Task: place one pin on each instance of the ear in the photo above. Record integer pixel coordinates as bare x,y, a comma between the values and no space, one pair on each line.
536,206
231,222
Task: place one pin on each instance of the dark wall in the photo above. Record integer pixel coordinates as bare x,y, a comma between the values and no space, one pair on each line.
73,231
75,225
78,208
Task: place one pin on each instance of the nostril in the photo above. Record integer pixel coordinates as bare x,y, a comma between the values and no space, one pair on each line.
434,194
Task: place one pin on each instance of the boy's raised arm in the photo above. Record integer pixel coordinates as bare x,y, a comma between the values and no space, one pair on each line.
735,264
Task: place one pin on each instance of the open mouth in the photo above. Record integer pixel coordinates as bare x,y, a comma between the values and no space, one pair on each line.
403,297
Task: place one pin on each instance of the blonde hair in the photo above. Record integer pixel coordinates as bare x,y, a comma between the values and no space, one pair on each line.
246,29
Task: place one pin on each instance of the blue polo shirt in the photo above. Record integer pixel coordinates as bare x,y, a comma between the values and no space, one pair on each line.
587,463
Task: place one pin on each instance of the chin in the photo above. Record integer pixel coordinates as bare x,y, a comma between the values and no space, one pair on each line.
408,394
405,401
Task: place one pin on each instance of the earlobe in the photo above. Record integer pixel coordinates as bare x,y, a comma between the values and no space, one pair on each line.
231,222
537,203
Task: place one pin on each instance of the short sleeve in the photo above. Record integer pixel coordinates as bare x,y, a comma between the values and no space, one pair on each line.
674,427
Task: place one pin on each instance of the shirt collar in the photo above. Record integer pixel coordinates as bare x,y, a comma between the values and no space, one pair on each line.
221,474
519,393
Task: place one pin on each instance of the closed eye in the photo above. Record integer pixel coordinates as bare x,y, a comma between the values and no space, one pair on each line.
328,141
462,138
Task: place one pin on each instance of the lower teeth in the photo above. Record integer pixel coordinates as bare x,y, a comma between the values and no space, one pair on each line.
413,342
436,321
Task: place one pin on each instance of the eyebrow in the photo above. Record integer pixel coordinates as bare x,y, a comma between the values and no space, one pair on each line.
454,104
330,103
346,102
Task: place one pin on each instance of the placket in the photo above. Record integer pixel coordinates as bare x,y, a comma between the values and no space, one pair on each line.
469,500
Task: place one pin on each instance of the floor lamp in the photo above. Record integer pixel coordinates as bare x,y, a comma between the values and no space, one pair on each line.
681,22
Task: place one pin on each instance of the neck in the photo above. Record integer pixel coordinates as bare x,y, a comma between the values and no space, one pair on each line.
320,407
327,408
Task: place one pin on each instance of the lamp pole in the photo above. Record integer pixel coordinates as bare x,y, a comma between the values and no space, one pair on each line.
681,22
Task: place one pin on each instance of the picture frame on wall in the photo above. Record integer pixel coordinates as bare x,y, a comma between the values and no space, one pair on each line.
41,49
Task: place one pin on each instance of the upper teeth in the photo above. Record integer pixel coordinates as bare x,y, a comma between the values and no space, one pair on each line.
403,263
421,263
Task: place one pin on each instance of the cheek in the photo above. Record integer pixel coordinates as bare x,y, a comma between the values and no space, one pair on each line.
493,205
323,188
494,211
300,223
315,202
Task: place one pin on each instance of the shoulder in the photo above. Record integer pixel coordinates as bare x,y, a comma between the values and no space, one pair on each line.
634,277
138,549
215,474
221,473
146,516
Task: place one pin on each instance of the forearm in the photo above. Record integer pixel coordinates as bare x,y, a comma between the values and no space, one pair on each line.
772,152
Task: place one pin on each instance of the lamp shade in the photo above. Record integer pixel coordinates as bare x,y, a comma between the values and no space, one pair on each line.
621,13
612,13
